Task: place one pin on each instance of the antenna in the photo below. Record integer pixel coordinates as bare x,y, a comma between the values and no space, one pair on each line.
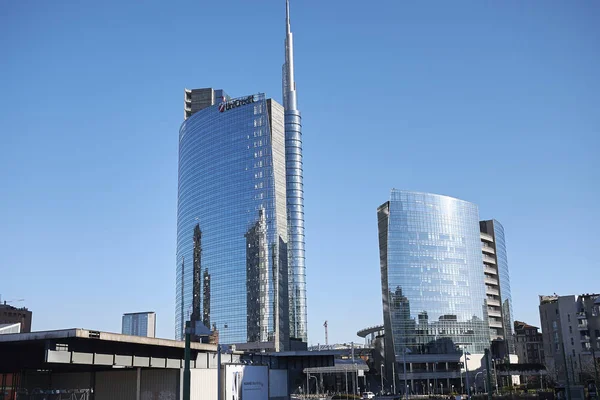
326,337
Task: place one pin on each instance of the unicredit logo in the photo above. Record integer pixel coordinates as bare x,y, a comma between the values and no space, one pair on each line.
228,105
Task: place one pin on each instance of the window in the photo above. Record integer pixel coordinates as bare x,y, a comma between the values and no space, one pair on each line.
569,317
570,329
572,343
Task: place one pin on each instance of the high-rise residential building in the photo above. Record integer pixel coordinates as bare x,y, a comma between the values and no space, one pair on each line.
10,314
434,296
497,288
529,346
571,336
139,324
240,214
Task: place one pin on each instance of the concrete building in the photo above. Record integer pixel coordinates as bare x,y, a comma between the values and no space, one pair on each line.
529,345
497,288
10,314
240,217
88,364
139,324
571,335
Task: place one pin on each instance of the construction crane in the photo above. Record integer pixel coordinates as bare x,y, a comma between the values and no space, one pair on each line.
326,338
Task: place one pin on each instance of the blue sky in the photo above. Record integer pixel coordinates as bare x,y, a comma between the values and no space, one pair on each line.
497,103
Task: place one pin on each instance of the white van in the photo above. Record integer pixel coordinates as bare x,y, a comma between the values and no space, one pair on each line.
368,395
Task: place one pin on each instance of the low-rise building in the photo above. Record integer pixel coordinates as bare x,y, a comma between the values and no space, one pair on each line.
528,343
10,315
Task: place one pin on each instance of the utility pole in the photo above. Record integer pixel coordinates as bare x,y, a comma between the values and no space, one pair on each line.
326,338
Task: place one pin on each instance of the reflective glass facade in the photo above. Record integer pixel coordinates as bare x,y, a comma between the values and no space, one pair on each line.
504,278
432,280
232,187
139,324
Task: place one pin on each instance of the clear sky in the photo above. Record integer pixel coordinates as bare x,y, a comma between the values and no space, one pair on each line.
494,102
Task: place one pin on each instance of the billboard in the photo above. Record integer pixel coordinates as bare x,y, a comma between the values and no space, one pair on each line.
246,382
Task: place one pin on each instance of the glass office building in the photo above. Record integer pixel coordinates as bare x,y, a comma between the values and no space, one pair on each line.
139,324
231,218
434,300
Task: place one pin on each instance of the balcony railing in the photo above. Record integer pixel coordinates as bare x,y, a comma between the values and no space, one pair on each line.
485,236
488,249
490,260
491,281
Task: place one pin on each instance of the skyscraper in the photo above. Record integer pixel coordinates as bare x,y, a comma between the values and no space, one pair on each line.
231,178
434,301
295,189
241,214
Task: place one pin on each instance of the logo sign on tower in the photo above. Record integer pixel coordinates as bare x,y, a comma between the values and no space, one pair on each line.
228,105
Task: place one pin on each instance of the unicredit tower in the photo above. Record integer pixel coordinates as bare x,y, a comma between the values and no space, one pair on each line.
240,216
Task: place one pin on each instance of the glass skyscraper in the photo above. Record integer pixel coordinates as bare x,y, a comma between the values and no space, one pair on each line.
434,299
240,216
232,222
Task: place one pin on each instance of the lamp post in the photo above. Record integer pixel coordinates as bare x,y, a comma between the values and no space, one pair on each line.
476,375
346,375
404,351
441,388
381,373
316,384
466,353
394,374
356,392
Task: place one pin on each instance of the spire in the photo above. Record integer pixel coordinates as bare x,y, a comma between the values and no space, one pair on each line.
287,16
289,85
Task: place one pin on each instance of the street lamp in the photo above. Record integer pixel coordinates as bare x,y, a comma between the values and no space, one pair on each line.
404,351
441,388
466,353
476,375
381,378
316,385
430,389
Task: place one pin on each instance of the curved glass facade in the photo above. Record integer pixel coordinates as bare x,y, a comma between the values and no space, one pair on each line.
433,288
504,277
232,189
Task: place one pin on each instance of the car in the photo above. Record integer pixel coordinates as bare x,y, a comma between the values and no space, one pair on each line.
368,395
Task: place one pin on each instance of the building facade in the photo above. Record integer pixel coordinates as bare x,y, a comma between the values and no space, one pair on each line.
232,219
497,288
10,315
529,345
571,336
433,291
139,324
